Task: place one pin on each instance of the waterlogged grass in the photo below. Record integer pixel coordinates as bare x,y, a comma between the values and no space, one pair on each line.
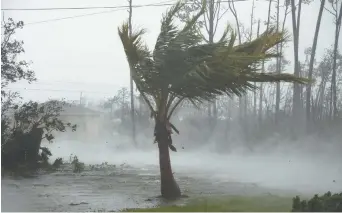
228,204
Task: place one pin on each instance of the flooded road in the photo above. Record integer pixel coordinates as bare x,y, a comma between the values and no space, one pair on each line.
109,189
134,181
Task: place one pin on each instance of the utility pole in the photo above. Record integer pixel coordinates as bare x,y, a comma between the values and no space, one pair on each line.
81,99
131,75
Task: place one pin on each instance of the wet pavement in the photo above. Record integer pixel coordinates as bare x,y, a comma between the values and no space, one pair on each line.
108,189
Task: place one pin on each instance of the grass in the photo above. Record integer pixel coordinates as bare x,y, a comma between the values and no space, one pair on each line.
228,204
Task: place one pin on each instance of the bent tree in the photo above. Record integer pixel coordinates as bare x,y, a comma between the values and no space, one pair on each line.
23,125
184,67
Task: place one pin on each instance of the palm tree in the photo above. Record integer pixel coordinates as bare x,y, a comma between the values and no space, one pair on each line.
183,67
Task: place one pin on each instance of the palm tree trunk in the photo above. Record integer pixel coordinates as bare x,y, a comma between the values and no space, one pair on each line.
169,187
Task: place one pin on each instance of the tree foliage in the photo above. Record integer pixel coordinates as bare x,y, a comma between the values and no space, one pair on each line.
13,70
325,203
24,125
45,116
182,66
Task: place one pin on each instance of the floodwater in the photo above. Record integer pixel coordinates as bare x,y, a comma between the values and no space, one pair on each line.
134,180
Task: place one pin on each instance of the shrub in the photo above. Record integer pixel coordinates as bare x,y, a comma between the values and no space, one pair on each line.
326,203
31,123
77,166
58,163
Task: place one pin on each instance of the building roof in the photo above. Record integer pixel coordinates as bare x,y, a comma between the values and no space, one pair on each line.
79,110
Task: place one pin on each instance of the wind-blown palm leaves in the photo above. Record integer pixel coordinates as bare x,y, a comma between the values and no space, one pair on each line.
182,67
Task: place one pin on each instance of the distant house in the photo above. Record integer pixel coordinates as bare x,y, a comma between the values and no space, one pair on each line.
89,122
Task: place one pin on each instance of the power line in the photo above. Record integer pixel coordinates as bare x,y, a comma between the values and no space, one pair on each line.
118,8
89,8
57,90
47,82
72,17
104,7
83,15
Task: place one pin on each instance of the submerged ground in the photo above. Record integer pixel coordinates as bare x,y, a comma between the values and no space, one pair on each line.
134,181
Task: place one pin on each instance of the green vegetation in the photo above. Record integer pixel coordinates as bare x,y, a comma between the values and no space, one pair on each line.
228,204
326,203
77,166
24,125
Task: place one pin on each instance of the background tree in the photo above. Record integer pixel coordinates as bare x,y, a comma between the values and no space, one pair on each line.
231,6
311,65
295,33
336,11
109,104
297,108
182,66
280,48
207,26
261,97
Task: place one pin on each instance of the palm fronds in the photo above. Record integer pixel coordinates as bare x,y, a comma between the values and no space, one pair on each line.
138,57
182,66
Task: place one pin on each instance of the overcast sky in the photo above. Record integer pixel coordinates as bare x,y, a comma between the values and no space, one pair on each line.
85,53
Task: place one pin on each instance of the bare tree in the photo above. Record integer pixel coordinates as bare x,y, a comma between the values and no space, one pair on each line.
279,60
297,105
263,63
255,94
231,5
336,6
250,39
208,26
312,58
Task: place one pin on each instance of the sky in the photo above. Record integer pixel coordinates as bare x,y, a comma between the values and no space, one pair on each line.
83,56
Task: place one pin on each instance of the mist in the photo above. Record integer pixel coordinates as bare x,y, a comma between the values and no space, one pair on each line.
306,166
